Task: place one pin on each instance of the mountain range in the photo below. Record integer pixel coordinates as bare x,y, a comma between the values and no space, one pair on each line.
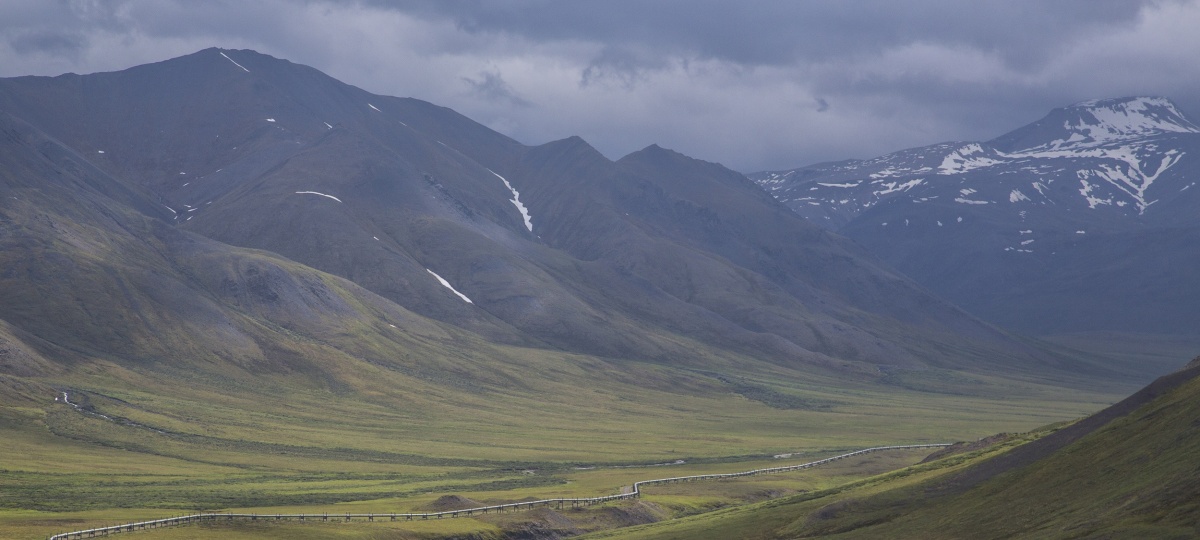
1083,221
231,271
655,256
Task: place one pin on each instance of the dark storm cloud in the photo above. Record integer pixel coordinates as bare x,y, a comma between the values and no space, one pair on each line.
48,42
618,65
56,29
491,86
784,32
755,85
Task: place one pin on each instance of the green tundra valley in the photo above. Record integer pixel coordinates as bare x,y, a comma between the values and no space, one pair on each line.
241,298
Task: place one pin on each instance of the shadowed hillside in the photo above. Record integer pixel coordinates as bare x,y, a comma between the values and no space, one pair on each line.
655,257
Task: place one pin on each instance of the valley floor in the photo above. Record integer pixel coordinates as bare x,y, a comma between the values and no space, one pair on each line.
136,444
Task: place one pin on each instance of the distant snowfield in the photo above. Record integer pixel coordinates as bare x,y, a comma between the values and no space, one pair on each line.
1105,143
318,193
971,156
447,285
1138,117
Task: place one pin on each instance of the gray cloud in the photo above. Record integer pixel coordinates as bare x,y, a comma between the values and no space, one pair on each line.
490,85
48,42
783,32
618,65
755,85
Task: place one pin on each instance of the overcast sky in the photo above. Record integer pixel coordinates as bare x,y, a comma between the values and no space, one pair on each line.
754,85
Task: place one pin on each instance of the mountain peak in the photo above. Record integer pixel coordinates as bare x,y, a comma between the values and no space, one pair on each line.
1098,122
653,151
1128,102
574,145
1130,117
656,152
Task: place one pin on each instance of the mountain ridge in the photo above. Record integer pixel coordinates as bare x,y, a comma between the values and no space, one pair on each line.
1093,200
390,192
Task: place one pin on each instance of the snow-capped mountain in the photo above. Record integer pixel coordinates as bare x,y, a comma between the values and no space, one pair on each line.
945,213
1117,156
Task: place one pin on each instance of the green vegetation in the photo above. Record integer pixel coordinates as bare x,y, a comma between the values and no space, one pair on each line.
1134,475
215,378
378,438
665,311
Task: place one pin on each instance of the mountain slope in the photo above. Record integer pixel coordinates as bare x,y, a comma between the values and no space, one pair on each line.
88,279
531,246
1077,222
1125,472
353,298
146,369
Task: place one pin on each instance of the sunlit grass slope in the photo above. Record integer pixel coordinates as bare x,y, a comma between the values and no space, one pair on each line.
497,423
1127,472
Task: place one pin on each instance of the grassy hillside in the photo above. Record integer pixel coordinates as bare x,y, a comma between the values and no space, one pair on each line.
1127,472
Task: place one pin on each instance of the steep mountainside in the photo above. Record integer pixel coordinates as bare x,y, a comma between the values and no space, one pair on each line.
87,279
654,257
1077,222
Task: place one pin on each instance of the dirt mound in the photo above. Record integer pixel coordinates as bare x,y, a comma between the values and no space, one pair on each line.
963,447
638,513
549,518
452,502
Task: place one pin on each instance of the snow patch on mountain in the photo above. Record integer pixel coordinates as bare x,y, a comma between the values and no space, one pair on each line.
235,63
1126,171
892,187
971,156
447,285
516,200
1102,121
967,192
318,193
